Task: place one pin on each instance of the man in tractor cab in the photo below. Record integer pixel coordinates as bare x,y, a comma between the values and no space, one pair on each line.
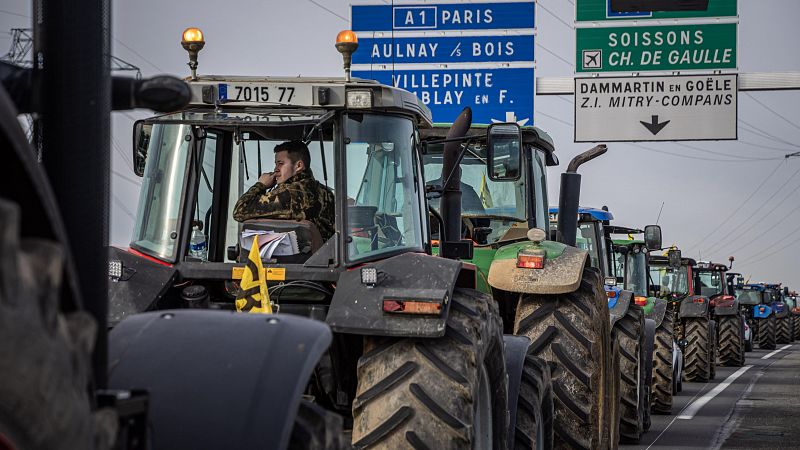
290,192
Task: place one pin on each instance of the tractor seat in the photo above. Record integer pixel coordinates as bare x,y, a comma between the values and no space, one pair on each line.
309,240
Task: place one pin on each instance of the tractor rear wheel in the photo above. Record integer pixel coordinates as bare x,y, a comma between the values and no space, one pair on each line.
572,332
316,428
662,368
699,350
445,393
766,333
796,320
534,425
45,355
713,343
628,331
731,341
783,330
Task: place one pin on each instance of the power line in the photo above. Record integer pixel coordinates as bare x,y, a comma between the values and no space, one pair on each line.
568,25
776,251
554,118
14,14
330,11
139,55
766,147
773,111
554,54
769,135
733,213
746,158
763,233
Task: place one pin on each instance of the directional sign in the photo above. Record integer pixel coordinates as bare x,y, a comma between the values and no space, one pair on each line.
452,55
668,108
656,48
599,10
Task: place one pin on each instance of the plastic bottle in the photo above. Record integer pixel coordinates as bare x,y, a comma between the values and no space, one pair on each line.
197,245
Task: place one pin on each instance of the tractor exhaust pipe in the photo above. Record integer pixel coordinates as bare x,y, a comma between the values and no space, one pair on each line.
450,204
571,195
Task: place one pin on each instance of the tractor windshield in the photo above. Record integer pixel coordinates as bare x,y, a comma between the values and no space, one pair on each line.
711,283
494,206
632,265
748,296
672,282
384,190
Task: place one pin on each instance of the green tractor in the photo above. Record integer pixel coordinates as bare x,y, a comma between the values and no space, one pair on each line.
632,268
694,327
545,289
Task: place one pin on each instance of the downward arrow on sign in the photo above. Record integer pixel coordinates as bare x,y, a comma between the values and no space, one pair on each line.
654,126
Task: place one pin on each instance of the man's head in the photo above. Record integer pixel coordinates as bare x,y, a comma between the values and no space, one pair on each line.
291,157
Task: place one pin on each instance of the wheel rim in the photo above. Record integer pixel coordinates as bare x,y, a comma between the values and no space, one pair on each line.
484,435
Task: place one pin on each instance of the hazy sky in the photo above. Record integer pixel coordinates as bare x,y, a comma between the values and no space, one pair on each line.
704,186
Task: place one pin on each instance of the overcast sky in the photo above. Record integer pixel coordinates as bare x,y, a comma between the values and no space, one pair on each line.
724,198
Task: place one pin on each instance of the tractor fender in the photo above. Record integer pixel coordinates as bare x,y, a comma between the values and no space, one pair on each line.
621,306
561,273
357,308
781,310
759,314
143,283
658,311
217,379
728,307
516,349
694,306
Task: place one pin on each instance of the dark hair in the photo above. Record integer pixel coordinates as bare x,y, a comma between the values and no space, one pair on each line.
297,151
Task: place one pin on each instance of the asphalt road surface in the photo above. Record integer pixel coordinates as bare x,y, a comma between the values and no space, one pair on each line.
755,406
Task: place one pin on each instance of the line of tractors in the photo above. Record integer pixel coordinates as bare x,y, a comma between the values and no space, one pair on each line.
451,308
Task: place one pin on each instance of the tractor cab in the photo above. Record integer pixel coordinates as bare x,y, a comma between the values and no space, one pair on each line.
774,297
750,294
592,237
673,275
714,283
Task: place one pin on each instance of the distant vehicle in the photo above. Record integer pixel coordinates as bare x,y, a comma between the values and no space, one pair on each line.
719,288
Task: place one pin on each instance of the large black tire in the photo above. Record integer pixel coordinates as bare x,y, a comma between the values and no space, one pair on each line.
783,330
436,393
572,332
534,426
45,362
699,351
661,392
766,333
731,341
316,428
796,330
713,350
628,331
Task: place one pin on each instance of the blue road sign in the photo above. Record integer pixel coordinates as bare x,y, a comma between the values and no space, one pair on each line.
388,50
451,55
450,16
495,95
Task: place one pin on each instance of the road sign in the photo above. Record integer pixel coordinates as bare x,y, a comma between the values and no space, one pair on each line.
452,55
656,48
668,108
600,10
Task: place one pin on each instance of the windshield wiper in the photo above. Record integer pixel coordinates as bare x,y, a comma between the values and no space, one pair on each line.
492,216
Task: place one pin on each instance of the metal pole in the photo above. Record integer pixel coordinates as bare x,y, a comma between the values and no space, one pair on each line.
76,86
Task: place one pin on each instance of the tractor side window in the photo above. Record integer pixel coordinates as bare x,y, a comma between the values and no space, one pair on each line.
383,199
157,226
205,190
586,240
540,191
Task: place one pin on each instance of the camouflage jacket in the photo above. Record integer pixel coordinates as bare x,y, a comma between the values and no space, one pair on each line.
301,197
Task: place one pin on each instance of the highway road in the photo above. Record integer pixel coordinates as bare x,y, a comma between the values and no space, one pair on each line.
755,406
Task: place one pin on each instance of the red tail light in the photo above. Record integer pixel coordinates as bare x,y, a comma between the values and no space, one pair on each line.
611,294
530,259
761,309
699,300
641,301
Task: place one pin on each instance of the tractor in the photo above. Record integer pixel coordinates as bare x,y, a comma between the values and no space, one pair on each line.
631,266
694,326
418,355
745,299
784,322
720,290
633,333
792,300
538,284
763,314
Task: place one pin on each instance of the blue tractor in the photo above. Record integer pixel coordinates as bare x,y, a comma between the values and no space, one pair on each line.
763,316
784,329
632,333
745,300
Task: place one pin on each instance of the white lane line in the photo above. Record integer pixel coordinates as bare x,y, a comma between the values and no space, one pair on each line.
674,418
769,355
689,412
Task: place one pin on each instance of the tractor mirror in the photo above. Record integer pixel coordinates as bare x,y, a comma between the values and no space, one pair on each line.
674,256
652,237
504,151
141,141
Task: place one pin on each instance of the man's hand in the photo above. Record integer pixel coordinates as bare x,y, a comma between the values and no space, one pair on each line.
268,179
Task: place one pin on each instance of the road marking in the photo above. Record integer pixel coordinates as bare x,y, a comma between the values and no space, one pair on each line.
673,419
689,412
769,355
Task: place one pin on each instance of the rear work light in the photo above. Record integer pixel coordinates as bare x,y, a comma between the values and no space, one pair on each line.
420,307
359,99
531,259
640,301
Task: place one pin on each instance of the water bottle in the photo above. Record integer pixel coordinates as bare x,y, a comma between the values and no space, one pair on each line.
197,245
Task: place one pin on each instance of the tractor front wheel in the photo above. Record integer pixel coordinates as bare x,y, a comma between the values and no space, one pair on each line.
628,331
572,332
445,393
662,386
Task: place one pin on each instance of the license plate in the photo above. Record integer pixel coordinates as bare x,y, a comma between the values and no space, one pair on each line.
265,93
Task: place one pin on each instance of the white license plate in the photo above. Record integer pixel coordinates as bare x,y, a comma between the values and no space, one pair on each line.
266,93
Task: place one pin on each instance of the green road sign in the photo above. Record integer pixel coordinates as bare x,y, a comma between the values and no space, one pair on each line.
597,10
656,48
